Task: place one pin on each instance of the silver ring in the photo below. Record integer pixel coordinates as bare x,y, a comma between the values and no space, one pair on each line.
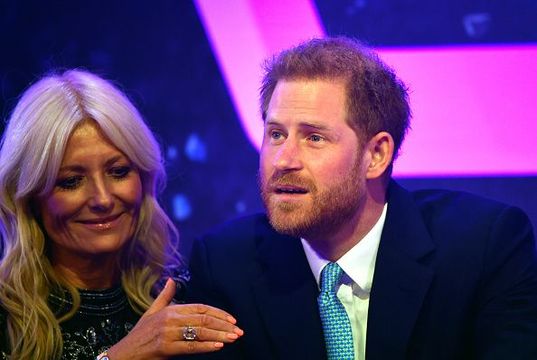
189,333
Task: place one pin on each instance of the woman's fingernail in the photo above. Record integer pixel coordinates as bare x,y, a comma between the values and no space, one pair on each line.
168,282
231,319
232,336
218,345
238,331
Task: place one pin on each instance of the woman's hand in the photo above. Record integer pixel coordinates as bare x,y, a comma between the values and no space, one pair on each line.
159,332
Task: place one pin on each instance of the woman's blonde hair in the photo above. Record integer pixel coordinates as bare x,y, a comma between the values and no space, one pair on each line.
31,152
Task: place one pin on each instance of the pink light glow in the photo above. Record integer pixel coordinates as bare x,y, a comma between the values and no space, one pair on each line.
243,33
474,108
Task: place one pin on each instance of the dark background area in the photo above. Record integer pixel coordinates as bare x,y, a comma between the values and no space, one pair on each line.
432,23
159,55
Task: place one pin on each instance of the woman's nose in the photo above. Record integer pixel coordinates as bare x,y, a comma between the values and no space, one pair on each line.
101,197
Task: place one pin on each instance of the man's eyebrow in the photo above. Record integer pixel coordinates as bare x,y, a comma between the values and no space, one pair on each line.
302,124
316,126
272,122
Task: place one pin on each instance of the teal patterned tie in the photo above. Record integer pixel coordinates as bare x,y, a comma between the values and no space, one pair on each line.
336,324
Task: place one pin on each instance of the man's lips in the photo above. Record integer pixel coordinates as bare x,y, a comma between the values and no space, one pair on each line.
289,189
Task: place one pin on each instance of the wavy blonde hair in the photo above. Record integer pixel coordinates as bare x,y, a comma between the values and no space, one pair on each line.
31,152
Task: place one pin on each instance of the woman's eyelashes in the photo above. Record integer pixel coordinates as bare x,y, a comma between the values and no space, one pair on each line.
69,182
120,172
73,182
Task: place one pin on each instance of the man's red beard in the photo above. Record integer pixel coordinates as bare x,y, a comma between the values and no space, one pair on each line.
317,212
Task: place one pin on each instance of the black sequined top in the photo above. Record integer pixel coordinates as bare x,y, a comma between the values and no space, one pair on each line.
104,318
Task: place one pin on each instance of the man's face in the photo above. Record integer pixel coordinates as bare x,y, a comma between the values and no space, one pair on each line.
312,172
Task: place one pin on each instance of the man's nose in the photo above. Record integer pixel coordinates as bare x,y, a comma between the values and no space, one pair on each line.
288,156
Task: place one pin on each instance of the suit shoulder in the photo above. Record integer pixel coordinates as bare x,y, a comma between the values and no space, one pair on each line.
239,230
230,249
464,207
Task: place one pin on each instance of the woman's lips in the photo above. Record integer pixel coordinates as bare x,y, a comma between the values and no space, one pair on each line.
102,223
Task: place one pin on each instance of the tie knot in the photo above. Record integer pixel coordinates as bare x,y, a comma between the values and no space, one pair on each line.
330,277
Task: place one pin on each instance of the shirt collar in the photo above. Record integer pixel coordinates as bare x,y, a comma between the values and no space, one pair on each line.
359,262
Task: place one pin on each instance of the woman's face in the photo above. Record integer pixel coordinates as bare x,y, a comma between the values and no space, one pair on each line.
94,206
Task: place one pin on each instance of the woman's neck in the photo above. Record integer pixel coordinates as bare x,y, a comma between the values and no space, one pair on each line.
88,272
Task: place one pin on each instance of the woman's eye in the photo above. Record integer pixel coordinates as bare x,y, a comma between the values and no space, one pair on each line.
119,172
69,183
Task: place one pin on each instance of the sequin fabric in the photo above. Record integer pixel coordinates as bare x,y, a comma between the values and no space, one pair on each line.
336,325
103,319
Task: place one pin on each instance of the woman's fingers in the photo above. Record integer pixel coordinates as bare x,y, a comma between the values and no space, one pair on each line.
167,330
187,328
207,317
208,334
163,299
205,321
195,347
205,309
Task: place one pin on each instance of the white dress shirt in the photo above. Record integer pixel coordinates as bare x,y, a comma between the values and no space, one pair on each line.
358,265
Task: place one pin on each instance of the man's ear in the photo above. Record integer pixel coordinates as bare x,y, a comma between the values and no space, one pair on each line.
380,148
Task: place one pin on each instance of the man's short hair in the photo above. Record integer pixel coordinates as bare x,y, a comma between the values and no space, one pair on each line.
376,99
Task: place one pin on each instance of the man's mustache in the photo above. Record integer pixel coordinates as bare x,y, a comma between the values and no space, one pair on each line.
278,180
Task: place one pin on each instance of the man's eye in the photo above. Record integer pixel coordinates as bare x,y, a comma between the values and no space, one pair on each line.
275,135
316,138
120,172
69,183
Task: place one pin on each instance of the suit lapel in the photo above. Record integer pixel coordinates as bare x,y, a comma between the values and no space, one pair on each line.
286,294
286,291
401,278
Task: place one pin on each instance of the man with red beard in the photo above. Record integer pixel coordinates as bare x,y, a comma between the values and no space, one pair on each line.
346,264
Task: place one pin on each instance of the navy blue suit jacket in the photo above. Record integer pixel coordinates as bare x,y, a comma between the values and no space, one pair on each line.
455,278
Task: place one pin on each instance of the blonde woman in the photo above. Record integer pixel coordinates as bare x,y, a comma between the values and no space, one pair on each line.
86,246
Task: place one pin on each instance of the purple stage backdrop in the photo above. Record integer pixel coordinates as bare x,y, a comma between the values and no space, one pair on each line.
474,107
193,69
